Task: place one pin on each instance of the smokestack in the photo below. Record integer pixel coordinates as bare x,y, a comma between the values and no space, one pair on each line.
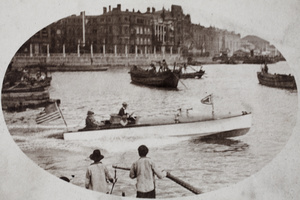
83,28
132,10
109,8
148,9
119,7
153,9
104,10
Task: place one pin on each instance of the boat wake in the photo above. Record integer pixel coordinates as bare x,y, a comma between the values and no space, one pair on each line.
128,143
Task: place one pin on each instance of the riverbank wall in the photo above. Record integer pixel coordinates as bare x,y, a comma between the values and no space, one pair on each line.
108,60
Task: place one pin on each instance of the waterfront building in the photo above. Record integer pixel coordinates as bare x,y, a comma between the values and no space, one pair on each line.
131,32
212,41
259,46
170,29
124,31
38,43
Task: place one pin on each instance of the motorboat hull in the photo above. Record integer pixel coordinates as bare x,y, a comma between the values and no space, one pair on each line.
223,127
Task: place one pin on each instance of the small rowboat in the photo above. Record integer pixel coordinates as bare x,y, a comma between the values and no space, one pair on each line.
180,126
197,74
277,80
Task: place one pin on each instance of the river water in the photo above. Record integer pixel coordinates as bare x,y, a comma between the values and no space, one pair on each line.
208,165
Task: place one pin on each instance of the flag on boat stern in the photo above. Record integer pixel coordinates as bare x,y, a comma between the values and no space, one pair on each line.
49,113
207,100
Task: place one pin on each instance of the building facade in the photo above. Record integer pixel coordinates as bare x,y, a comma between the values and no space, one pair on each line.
132,32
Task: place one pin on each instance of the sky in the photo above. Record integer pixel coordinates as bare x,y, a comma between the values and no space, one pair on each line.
223,14
246,17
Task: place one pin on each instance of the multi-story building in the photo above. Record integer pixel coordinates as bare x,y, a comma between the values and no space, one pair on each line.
123,32
38,43
211,41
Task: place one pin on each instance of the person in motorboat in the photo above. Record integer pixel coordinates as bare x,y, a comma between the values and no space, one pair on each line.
144,170
97,174
90,121
126,117
123,111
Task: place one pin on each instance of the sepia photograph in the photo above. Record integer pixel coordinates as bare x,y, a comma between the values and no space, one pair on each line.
150,99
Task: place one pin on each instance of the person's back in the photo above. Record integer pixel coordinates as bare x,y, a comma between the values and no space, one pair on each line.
144,170
97,173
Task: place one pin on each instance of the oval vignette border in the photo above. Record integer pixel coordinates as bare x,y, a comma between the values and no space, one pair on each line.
23,179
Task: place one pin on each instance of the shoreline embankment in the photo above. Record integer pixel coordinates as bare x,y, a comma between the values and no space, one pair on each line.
107,60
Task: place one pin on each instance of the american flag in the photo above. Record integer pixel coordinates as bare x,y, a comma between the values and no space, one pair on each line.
50,113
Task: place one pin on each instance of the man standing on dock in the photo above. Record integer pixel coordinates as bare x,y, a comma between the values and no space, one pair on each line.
144,170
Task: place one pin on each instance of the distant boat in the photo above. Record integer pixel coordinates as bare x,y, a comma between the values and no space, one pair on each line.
76,67
258,60
40,74
22,87
20,97
196,74
167,79
26,88
178,126
277,80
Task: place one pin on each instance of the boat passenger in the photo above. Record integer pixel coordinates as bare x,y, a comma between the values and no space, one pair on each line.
25,77
160,67
153,69
266,68
184,67
144,170
165,65
90,121
123,111
126,117
97,175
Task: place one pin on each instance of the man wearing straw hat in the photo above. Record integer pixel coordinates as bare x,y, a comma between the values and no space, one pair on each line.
97,175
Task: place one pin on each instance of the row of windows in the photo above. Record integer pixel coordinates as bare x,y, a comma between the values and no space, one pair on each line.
141,30
123,19
121,30
143,41
74,20
114,29
139,41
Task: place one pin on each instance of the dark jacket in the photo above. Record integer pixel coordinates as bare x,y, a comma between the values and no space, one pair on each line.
122,112
90,122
